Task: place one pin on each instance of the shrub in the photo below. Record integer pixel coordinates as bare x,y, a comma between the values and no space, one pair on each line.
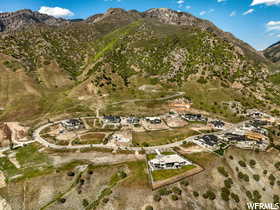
249,195
228,182
149,208
276,199
240,175
164,191
225,194
174,197
242,163
264,172
257,196
122,174
105,200
195,194
256,177
184,183
177,190
252,163
205,195
62,200
157,197
211,195
223,171
70,173
246,178
85,202
230,157
277,166
235,197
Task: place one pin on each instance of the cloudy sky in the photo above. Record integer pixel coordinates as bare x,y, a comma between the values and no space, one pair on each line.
257,22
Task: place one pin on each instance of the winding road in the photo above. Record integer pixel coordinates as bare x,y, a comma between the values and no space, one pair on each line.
37,137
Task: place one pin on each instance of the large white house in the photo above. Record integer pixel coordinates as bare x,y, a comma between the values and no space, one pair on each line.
173,161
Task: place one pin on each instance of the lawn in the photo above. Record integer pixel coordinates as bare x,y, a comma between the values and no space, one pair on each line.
159,175
153,138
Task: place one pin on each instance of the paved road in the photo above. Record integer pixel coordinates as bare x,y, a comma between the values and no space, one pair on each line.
38,138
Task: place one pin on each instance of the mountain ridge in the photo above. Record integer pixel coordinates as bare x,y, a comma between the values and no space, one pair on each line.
273,52
115,53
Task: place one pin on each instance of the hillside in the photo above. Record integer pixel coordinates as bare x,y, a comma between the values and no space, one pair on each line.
108,57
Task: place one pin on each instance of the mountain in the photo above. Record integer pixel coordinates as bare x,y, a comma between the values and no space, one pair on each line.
11,21
82,65
273,52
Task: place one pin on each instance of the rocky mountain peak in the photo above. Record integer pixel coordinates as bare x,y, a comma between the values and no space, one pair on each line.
11,21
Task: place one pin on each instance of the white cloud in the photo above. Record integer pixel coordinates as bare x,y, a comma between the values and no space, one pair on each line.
248,12
56,11
188,7
219,1
202,13
273,26
267,2
278,35
233,13
180,3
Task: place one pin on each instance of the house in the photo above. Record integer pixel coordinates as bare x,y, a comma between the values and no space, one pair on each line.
133,120
248,141
72,124
254,113
234,138
194,117
217,124
259,123
208,141
173,161
153,120
256,136
112,119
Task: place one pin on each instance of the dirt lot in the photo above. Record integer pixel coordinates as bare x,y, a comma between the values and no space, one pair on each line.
161,137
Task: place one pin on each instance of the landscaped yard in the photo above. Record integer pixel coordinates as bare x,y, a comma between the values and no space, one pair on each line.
159,175
161,137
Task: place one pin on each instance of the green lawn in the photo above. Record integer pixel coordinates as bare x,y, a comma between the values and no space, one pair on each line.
159,175
153,138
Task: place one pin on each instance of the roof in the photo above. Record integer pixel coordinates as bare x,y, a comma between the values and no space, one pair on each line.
168,159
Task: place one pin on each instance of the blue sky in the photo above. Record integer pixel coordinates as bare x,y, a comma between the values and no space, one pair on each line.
257,22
